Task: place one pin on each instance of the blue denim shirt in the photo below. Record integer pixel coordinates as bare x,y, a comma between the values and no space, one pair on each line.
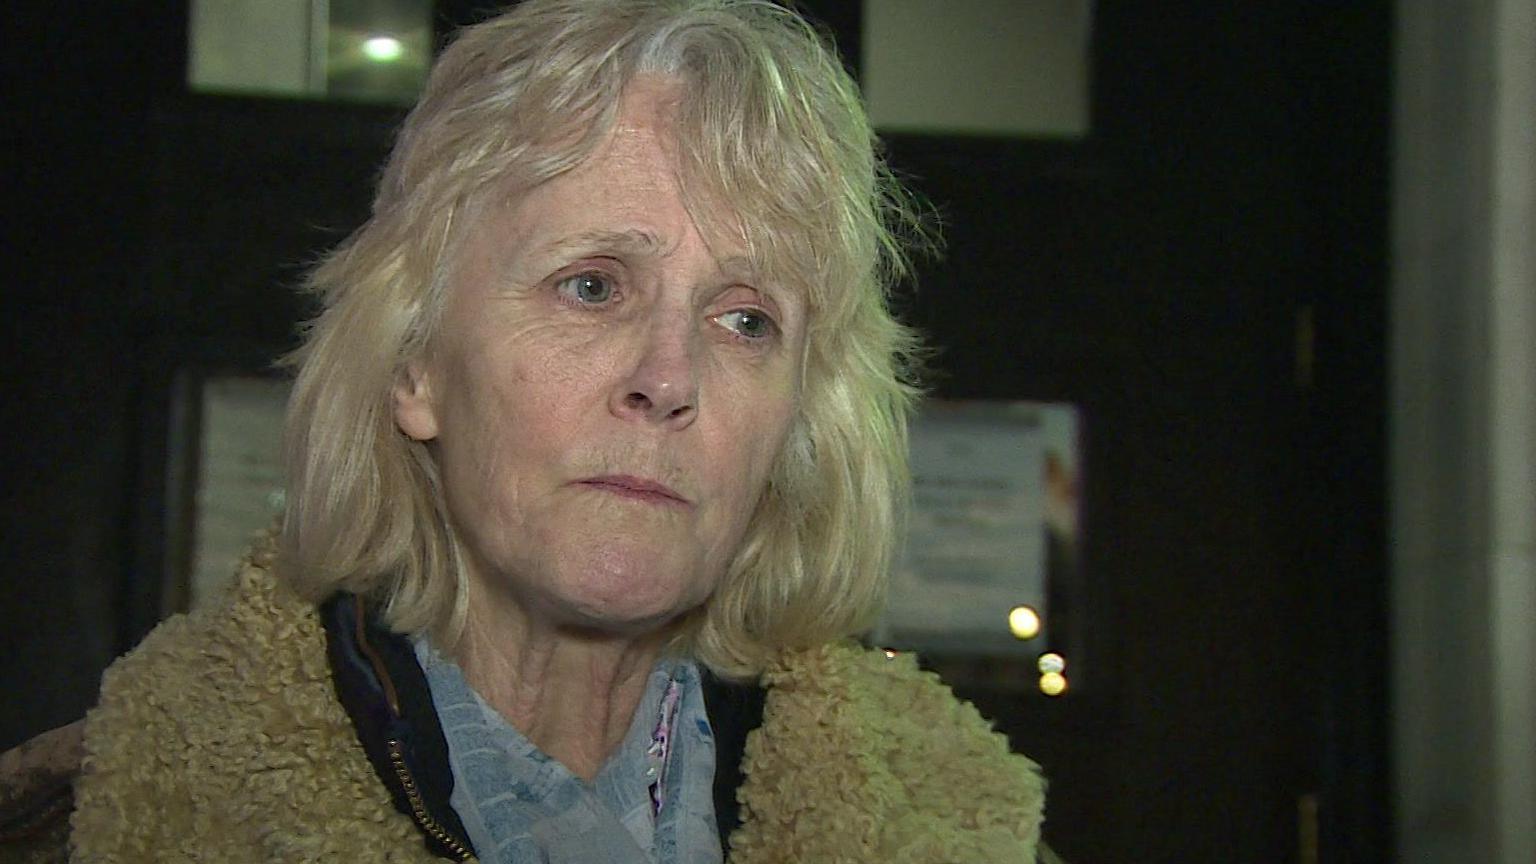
651,801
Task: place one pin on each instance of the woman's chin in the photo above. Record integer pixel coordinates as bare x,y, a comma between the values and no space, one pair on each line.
635,612
630,593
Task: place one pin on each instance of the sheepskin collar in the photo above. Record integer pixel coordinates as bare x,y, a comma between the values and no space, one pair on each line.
863,757
221,738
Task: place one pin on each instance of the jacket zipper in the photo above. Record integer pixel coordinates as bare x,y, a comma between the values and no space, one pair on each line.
419,807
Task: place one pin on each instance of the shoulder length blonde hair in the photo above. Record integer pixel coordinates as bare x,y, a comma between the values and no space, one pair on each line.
771,129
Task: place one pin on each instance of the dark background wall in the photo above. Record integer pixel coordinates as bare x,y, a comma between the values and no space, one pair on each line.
1205,275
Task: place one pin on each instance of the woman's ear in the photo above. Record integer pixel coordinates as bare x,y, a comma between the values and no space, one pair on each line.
414,412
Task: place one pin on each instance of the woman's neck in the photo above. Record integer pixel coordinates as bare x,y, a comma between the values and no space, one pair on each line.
572,693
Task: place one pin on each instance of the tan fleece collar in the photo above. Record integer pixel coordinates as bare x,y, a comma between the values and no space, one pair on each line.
859,758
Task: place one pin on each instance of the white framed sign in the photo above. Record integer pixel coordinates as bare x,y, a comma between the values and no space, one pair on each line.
995,519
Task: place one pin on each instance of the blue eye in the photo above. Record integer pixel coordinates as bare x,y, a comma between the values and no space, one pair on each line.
589,288
748,323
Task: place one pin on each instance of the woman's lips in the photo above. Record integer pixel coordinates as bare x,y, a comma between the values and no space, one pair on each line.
637,488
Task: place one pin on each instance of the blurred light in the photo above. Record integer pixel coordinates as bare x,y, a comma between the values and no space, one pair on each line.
1053,683
889,654
1024,622
1052,664
383,49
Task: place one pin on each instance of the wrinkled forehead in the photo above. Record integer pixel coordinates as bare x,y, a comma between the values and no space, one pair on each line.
652,114
747,223
741,214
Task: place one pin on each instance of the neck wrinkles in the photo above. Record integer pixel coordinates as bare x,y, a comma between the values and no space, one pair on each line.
571,692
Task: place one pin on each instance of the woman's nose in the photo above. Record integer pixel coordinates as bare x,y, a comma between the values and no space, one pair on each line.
663,384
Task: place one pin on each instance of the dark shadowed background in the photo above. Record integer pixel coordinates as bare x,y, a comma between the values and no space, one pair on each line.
1204,275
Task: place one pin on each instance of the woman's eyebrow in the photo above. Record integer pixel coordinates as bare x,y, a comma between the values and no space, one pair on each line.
629,242
738,267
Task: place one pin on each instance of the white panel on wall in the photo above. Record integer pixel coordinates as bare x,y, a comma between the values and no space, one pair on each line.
356,50
1463,432
240,481
251,46
985,67
994,523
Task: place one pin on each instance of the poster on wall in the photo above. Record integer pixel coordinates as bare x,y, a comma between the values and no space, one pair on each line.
995,527
238,490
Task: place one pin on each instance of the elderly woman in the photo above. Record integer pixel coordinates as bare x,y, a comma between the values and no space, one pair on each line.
595,461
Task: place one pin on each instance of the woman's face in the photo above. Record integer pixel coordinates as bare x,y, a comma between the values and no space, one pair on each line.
607,392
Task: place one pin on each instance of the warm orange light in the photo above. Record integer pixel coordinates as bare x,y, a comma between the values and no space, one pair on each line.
1053,683
1023,622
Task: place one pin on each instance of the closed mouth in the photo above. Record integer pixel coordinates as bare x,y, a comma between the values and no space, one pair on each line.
637,488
